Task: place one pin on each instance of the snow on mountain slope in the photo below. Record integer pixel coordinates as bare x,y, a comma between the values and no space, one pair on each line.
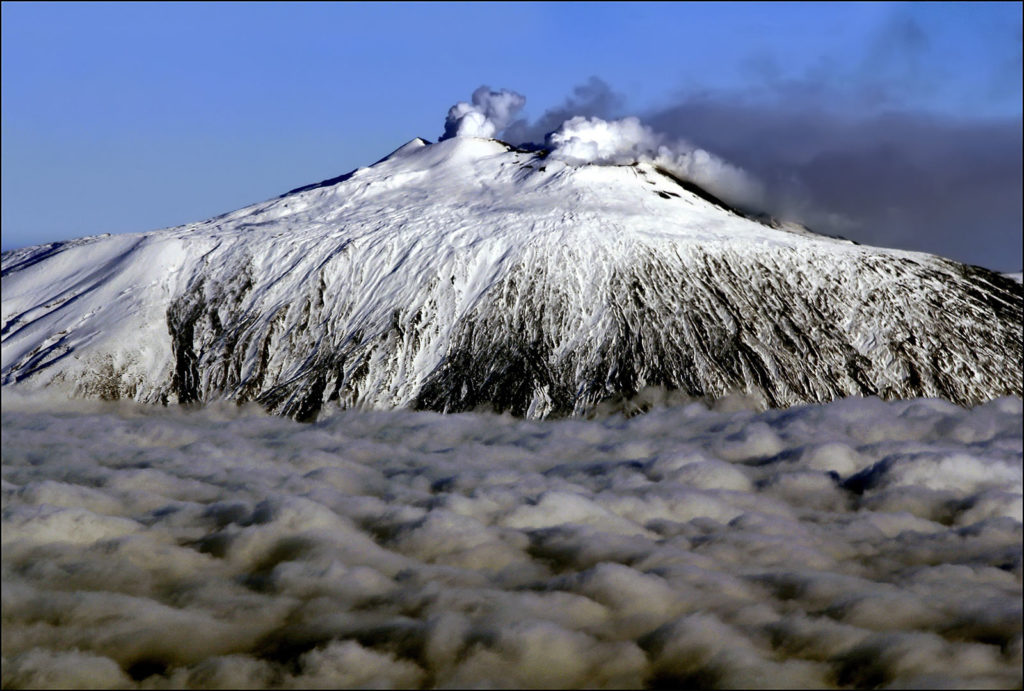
467,273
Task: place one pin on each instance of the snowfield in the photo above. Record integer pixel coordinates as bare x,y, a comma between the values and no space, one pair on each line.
858,543
467,274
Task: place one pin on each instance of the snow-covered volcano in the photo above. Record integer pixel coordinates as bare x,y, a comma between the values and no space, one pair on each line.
469,273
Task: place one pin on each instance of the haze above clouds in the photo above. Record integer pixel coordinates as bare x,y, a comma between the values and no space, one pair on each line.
859,543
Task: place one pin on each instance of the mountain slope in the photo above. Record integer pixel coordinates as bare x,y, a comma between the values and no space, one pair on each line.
466,273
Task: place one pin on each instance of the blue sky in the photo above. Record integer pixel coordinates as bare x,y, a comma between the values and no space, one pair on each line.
121,117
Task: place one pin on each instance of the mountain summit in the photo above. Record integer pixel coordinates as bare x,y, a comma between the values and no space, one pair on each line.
469,273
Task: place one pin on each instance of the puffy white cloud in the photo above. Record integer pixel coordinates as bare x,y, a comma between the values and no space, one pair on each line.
855,543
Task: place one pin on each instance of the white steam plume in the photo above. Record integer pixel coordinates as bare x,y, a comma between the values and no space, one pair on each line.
618,142
488,114
592,140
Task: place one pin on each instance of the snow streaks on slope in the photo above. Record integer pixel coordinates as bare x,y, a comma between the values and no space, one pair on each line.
468,274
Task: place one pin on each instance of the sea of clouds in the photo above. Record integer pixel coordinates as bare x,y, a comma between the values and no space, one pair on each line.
859,543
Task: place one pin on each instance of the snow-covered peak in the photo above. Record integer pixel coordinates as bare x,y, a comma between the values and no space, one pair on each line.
471,273
413,144
486,174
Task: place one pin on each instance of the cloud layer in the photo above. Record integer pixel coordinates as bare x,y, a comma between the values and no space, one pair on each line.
858,543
